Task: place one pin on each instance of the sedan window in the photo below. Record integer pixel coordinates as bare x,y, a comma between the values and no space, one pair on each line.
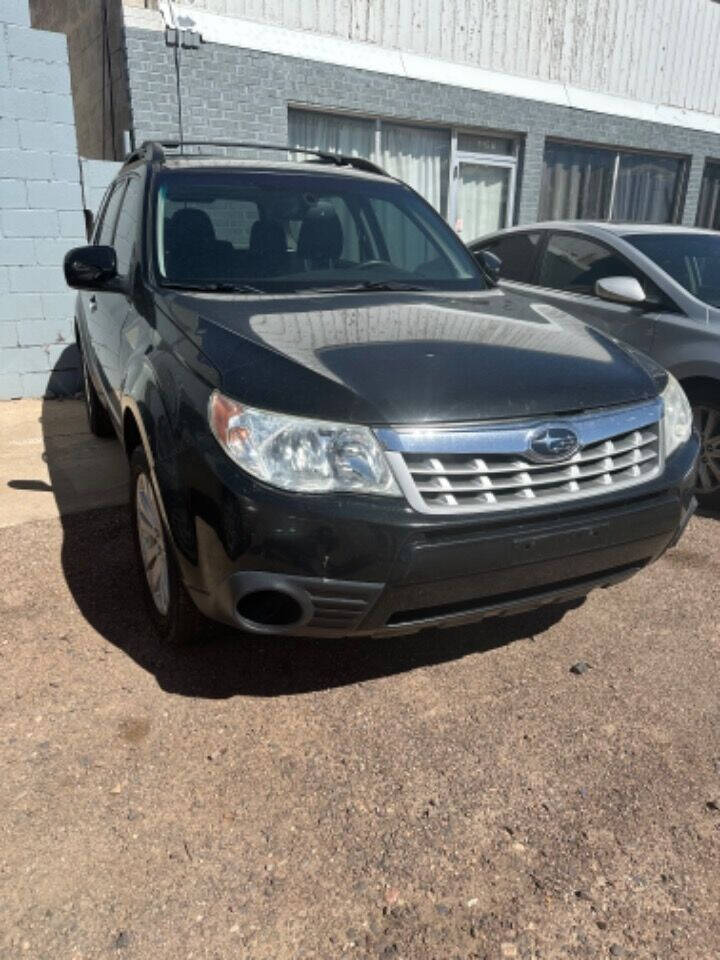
691,259
575,264
517,253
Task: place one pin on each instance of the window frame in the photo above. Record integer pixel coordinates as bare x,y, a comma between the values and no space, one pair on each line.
709,162
678,204
456,157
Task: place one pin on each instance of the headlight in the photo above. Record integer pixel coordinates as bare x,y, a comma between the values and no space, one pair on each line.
309,456
677,417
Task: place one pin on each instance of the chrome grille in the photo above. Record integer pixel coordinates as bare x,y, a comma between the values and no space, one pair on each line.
494,470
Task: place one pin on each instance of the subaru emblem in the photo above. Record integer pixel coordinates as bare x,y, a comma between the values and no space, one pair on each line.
551,444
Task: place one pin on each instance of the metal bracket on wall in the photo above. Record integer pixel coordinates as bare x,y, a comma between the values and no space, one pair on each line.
188,39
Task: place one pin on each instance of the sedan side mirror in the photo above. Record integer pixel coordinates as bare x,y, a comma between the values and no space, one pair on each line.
490,264
92,268
620,290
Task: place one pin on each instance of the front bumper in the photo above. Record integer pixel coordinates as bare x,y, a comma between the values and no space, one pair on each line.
367,566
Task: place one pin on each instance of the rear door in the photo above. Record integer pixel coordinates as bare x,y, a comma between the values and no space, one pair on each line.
566,269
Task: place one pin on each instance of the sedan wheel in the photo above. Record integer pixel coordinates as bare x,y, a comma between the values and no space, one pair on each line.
152,544
707,423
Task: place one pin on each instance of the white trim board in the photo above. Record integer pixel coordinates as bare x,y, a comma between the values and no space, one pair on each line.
249,34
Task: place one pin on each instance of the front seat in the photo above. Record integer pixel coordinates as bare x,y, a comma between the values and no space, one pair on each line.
320,240
268,247
191,250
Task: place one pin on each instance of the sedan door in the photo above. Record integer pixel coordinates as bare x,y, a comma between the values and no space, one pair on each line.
568,267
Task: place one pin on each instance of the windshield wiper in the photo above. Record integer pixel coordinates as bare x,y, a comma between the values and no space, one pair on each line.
219,287
394,286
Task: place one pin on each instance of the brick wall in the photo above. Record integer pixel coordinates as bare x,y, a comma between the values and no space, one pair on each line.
231,92
40,208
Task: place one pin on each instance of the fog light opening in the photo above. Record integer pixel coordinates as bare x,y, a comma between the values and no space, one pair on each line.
270,608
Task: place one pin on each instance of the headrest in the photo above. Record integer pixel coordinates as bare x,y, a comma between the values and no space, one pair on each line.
191,225
267,238
321,235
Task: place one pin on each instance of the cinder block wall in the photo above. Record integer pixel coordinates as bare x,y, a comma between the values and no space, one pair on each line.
40,208
229,92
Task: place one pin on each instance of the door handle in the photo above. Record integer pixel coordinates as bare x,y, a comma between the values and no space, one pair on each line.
93,302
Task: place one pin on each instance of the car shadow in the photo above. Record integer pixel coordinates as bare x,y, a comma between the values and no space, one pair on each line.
99,568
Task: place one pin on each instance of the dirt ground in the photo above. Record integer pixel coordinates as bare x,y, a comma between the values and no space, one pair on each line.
461,794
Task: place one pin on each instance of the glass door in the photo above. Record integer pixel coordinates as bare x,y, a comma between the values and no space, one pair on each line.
482,201
482,187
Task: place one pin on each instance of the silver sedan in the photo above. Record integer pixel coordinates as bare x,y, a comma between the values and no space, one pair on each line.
655,287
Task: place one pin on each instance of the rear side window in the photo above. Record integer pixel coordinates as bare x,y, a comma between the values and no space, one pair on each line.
106,230
574,264
517,252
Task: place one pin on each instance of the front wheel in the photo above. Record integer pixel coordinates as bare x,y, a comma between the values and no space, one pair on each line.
706,416
175,617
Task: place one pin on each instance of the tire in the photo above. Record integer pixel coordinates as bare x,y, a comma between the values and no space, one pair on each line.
705,402
98,418
176,619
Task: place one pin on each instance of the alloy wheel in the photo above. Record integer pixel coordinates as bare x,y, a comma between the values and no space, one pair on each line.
152,544
707,423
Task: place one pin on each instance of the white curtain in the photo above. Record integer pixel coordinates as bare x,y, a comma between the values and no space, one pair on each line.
577,182
709,206
481,200
421,157
646,188
352,136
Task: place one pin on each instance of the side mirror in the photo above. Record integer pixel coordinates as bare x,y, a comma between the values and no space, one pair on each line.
92,268
490,264
620,290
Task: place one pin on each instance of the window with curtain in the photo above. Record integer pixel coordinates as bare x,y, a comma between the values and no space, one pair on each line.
336,133
709,206
594,183
646,188
577,182
421,157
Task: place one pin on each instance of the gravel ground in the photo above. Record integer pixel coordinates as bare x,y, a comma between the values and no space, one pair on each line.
461,794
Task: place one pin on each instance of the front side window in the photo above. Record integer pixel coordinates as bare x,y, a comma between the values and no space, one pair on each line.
517,252
575,264
293,231
127,231
692,259
106,230
595,183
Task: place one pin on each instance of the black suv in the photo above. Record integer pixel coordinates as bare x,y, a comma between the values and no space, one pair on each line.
337,424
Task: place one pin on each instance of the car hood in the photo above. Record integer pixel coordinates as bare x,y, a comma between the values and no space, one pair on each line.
382,358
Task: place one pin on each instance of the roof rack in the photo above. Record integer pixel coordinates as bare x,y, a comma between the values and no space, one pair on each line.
154,150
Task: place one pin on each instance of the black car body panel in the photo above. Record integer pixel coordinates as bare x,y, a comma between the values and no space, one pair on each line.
388,358
358,563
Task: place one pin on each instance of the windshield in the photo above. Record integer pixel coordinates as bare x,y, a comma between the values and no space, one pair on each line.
693,259
279,232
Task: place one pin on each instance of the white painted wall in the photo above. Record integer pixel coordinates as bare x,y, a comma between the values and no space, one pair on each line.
662,52
40,208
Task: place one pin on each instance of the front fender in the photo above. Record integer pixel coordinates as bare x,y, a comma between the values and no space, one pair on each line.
168,407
